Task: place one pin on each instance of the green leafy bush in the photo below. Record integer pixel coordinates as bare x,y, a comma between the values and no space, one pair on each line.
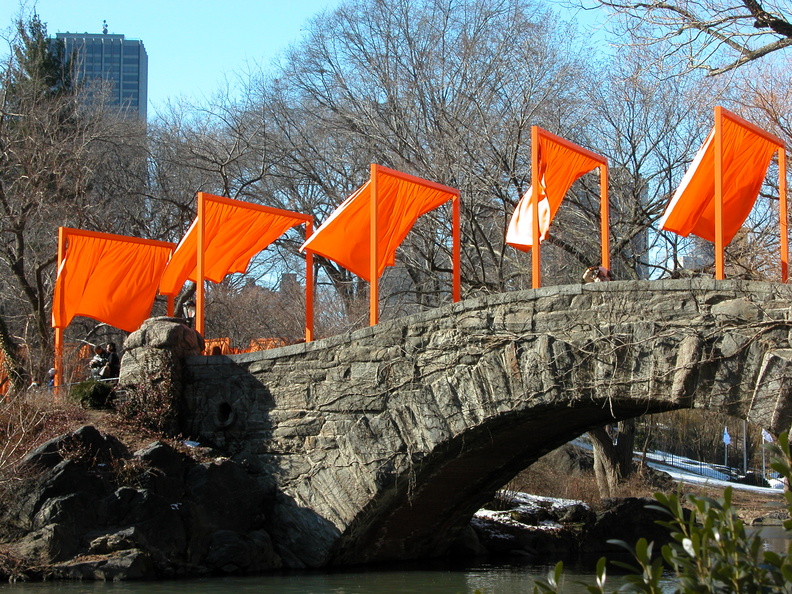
710,551
92,393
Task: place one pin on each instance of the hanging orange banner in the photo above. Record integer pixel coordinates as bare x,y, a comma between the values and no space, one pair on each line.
109,278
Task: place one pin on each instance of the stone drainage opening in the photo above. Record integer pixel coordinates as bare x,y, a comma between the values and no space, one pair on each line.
225,416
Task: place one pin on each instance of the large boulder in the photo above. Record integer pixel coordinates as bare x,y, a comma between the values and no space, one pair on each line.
84,443
171,334
151,378
89,509
546,529
626,519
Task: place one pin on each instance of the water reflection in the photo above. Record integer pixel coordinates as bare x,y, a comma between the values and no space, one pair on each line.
775,537
424,578
485,578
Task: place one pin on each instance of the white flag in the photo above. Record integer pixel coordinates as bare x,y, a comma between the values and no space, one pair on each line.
766,436
726,438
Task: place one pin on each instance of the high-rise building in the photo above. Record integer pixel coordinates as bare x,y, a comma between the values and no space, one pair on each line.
114,59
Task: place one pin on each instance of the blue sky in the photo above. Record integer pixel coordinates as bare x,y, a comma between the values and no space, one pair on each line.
192,46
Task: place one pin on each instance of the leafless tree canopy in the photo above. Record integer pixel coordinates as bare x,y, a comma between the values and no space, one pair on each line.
64,161
714,35
445,90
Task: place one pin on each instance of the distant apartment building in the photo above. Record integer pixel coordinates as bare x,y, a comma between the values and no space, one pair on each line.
699,255
114,59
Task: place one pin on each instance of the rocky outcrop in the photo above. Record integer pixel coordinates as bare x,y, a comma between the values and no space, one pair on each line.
152,368
545,530
89,509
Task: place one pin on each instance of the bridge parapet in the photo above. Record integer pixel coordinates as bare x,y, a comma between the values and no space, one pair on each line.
384,441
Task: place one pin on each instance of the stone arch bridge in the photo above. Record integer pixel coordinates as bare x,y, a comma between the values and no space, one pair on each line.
382,443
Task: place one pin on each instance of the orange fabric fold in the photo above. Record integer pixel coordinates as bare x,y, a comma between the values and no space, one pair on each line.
746,157
234,232
559,167
345,237
109,278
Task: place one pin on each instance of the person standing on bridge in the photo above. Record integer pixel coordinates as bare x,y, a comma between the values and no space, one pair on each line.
596,274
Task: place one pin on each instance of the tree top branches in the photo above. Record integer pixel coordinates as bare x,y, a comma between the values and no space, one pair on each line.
714,35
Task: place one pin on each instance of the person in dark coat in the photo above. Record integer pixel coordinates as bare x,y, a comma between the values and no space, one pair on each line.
113,360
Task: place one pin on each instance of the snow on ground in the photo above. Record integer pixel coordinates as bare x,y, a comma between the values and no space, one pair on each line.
491,522
487,521
698,479
683,469
686,466
535,501
693,471
524,503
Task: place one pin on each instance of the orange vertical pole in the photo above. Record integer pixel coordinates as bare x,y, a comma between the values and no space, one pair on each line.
457,247
782,212
58,362
58,357
309,287
171,305
536,264
604,216
719,247
374,283
199,282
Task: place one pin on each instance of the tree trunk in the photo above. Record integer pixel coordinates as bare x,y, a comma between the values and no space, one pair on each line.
625,445
606,464
613,462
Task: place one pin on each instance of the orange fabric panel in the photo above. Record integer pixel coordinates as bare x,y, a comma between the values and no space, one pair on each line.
109,278
345,236
234,233
559,167
223,344
263,344
746,157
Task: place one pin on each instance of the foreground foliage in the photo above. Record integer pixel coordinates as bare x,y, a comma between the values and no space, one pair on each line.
710,551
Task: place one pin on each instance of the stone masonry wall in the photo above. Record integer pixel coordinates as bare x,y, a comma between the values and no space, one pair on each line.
383,442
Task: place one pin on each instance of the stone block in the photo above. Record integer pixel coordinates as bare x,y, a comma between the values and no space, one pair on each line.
736,310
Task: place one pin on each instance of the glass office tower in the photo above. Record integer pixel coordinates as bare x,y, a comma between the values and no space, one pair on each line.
112,58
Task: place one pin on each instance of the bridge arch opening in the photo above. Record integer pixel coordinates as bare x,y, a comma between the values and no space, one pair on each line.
423,513
665,446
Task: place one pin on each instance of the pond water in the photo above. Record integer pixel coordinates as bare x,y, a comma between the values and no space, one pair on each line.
424,578
484,578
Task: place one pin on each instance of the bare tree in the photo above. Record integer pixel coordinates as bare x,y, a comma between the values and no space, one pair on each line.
55,146
649,127
446,90
714,35
763,95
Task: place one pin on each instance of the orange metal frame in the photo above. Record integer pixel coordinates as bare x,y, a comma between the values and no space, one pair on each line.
63,236
720,115
200,320
455,232
536,261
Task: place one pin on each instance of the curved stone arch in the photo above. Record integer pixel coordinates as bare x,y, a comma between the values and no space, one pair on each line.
384,441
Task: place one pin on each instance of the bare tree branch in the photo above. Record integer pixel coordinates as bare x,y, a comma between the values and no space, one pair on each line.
714,35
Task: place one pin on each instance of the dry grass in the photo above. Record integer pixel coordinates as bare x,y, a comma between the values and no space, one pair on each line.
749,504
29,419
544,478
